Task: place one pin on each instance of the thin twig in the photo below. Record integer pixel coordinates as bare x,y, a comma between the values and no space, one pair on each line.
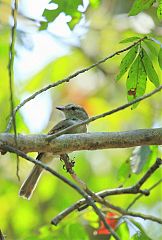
67,79
69,167
11,74
88,199
133,214
150,171
81,204
140,195
67,211
91,119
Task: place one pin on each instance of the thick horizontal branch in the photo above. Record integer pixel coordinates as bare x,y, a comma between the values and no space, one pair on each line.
85,141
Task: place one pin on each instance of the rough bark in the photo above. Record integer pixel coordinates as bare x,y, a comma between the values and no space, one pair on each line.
85,141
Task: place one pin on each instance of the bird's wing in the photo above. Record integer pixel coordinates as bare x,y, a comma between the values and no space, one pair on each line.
61,125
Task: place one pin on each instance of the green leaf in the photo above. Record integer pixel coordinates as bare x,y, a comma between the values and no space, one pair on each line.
152,75
154,153
69,7
95,3
151,158
123,231
130,39
139,6
75,19
127,61
136,80
43,26
139,157
159,10
140,234
124,171
150,47
160,57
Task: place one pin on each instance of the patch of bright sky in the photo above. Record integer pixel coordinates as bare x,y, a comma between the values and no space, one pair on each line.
45,48
36,112
47,45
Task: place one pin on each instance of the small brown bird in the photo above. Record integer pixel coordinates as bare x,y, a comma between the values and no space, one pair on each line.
73,114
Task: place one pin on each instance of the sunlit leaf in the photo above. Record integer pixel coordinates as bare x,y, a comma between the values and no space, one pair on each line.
70,8
150,47
127,61
140,236
151,158
95,3
140,233
130,39
43,25
124,171
160,57
75,19
139,157
136,80
123,231
139,6
154,153
159,10
152,75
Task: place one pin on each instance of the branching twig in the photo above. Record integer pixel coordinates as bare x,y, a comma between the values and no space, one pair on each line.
67,79
88,199
52,136
69,167
11,73
150,171
133,214
81,204
140,195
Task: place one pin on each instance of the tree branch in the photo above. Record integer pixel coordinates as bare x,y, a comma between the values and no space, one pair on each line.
150,171
85,141
88,199
67,79
133,214
94,118
140,195
81,204
11,72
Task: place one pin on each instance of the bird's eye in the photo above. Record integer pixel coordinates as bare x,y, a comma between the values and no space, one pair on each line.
73,108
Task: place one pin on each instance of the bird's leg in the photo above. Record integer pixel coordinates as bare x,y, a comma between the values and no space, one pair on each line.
68,165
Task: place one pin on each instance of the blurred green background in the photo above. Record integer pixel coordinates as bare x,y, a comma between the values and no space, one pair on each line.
48,56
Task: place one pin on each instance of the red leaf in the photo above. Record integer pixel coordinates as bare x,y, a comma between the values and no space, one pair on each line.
112,219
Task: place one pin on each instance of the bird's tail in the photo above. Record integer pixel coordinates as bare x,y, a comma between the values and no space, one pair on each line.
30,183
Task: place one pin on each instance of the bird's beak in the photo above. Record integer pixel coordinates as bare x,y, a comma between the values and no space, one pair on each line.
61,108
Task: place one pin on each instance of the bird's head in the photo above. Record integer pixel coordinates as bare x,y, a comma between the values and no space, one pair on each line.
73,111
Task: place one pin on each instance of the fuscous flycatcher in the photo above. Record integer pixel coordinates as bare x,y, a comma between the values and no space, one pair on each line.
73,114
